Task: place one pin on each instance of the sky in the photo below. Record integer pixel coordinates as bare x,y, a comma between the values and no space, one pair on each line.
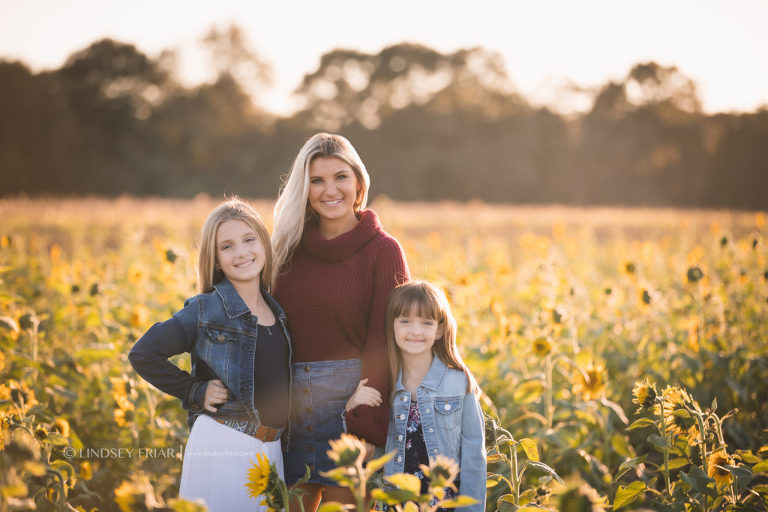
722,45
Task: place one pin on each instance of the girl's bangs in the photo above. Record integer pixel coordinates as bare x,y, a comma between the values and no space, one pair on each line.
417,301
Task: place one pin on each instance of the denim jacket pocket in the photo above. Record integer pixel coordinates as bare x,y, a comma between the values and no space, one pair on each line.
218,335
448,413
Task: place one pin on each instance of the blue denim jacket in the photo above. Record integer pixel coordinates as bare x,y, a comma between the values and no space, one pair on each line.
221,334
452,423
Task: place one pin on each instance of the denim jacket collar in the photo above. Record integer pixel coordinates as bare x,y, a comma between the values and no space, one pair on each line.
235,306
431,380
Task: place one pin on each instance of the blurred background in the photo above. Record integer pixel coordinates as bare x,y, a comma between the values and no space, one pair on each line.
577,103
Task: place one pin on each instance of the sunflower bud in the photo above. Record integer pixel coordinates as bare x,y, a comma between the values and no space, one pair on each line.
346,450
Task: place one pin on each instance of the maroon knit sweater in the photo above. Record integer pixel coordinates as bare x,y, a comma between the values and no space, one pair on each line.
334,294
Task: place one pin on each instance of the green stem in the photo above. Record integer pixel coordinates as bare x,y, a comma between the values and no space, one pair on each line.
703,449
515,476
667,441
550,410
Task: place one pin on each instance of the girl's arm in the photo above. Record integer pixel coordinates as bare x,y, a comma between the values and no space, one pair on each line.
149,357
370,423
473,461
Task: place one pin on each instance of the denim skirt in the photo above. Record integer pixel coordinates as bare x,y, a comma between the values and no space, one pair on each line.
320,391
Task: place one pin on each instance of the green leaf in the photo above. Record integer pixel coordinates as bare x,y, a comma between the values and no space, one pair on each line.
627,495
631,463
529,446
496,457
713,407
393,496
657,441
641,423
760,467
696,478
459,501
619,444
749,457
492,481
57,439
543,467
527,392
182,505
63,466
406,482
678,462
17,490
509,498
35,468
377,464
742,474
331,506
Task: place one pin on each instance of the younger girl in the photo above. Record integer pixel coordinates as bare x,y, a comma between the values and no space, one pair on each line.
238,391
435,410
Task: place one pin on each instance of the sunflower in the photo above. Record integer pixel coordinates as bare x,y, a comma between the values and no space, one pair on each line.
258,476
628,268
123,390
716,467
442,471
590,383
139,315
644,394
346,450
40,433
22,395
86,471
542,347
679,421
61,426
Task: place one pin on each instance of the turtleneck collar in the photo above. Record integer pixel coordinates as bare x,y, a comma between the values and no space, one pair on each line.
343,246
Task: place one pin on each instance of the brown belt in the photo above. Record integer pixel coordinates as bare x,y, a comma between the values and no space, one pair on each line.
262,432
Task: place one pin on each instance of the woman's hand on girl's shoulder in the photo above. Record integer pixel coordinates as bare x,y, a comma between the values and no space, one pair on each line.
364,395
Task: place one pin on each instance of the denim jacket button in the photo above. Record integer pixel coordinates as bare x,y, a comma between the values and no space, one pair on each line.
447,407
405,399
428,410
402,416
221,337
431,429
400,437
399,459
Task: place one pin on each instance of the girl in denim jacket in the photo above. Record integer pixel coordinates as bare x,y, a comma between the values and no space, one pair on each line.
435,410
237,392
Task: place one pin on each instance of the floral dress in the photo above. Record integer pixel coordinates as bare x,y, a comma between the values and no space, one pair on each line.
416,454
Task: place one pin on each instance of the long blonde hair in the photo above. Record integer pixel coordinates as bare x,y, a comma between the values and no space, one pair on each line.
426,300
233,208
292,210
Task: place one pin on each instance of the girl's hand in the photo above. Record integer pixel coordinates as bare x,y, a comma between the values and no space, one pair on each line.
215,394
364,395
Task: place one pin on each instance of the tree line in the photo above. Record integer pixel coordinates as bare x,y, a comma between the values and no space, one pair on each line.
429,126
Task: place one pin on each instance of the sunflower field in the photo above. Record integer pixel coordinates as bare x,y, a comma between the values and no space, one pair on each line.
622,352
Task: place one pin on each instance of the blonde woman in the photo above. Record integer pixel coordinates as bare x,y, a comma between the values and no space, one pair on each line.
335,267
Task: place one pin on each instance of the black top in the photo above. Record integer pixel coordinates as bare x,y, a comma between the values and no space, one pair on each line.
271,380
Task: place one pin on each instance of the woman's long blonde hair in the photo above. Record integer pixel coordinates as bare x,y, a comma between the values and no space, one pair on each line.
232,209
292,210
426,300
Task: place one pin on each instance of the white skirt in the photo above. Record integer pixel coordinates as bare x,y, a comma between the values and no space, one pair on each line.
216,463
